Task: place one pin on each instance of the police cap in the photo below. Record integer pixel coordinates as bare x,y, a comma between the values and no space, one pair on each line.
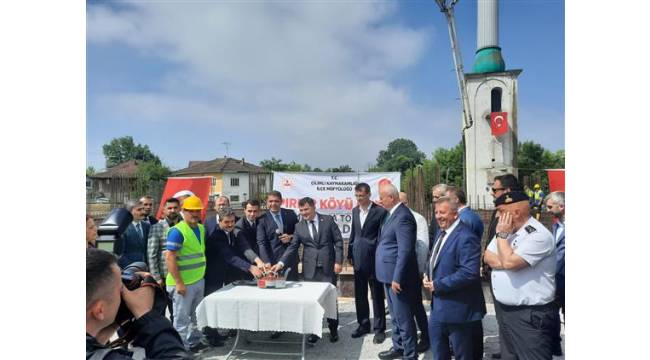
511,198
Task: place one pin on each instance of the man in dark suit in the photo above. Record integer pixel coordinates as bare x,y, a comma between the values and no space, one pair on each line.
147,203
225,262
437,191
274,233
366,221
322,252
132,245
471,219
453,277
248,224
396,267
212,220
235,259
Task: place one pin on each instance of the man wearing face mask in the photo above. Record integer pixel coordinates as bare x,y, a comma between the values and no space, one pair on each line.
523,261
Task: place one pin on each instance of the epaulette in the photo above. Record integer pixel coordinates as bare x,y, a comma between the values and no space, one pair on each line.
530,229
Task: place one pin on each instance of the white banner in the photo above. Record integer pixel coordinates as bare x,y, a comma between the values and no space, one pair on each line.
333,193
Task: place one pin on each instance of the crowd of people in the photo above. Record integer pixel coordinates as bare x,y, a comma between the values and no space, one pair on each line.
392,250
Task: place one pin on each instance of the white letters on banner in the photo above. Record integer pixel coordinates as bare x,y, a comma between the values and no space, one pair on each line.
333,193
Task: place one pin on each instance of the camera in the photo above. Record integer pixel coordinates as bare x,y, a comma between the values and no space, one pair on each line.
134,275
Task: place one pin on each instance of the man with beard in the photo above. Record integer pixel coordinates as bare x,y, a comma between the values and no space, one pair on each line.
158,239
132,244
555,206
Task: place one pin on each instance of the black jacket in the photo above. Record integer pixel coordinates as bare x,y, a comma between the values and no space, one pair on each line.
363,239
154,333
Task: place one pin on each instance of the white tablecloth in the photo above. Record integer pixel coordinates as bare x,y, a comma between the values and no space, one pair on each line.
298,308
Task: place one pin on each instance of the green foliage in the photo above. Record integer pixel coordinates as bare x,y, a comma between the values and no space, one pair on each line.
450,163
277,165
342,168
401,154
124,149
149,175
90,171
533,159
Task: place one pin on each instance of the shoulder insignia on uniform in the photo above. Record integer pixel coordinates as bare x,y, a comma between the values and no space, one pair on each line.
530,229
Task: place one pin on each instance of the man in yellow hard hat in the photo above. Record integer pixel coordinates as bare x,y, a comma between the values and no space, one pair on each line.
185,260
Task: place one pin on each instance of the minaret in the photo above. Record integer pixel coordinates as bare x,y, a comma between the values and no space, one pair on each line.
491,141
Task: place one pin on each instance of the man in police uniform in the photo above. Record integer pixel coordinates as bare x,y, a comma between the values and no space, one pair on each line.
522,258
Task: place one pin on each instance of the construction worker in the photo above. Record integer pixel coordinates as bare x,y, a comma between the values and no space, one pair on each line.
185,282
538,199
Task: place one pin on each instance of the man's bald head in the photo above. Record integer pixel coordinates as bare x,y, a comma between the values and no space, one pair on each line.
520,212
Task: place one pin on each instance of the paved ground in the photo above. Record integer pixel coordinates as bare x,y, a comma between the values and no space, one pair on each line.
346,347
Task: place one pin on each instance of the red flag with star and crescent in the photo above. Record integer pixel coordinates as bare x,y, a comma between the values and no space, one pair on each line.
499,123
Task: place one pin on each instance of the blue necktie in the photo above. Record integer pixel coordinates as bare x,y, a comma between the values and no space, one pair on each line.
139,229
278,221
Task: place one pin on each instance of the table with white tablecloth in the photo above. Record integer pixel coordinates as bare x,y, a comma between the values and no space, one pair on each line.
298,308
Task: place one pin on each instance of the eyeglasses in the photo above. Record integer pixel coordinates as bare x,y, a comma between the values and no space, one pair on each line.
497,189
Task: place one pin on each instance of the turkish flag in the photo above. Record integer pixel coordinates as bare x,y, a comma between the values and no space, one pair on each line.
499,123
555,179
200,186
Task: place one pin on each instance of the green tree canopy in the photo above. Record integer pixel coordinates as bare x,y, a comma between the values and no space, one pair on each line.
341,168
533,160
149,175
90,171
124,149
401,154
450,164
277,165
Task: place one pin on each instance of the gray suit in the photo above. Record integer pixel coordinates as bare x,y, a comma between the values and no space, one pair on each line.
319,253
325,250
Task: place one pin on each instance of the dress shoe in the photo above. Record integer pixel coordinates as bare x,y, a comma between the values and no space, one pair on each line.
496,356
334,336
391,354
276,334
422,346
232,333
312,339
359,332
379,338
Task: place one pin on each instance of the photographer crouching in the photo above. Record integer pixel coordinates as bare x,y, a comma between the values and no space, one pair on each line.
104,294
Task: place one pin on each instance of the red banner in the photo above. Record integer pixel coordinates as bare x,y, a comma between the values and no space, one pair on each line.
499,123
555,179
200,186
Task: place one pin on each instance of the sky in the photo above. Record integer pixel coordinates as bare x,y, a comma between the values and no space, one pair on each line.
324,83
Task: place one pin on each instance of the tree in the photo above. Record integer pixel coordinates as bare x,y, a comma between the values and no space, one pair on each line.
450,164
273,164
533,160
401,154
341,168
90,171
124,149
150,175
277,165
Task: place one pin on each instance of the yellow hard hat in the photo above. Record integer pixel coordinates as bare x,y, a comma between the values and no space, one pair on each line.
537,186
192,203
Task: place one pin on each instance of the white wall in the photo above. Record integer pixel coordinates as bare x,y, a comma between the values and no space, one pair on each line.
242,190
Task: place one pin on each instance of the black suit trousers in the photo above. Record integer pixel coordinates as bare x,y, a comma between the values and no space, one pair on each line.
361,283
319,276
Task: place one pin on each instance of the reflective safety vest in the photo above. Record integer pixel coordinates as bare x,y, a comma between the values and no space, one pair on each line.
538,196
190,259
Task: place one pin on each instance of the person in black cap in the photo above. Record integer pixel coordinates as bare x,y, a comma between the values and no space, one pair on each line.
522,258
